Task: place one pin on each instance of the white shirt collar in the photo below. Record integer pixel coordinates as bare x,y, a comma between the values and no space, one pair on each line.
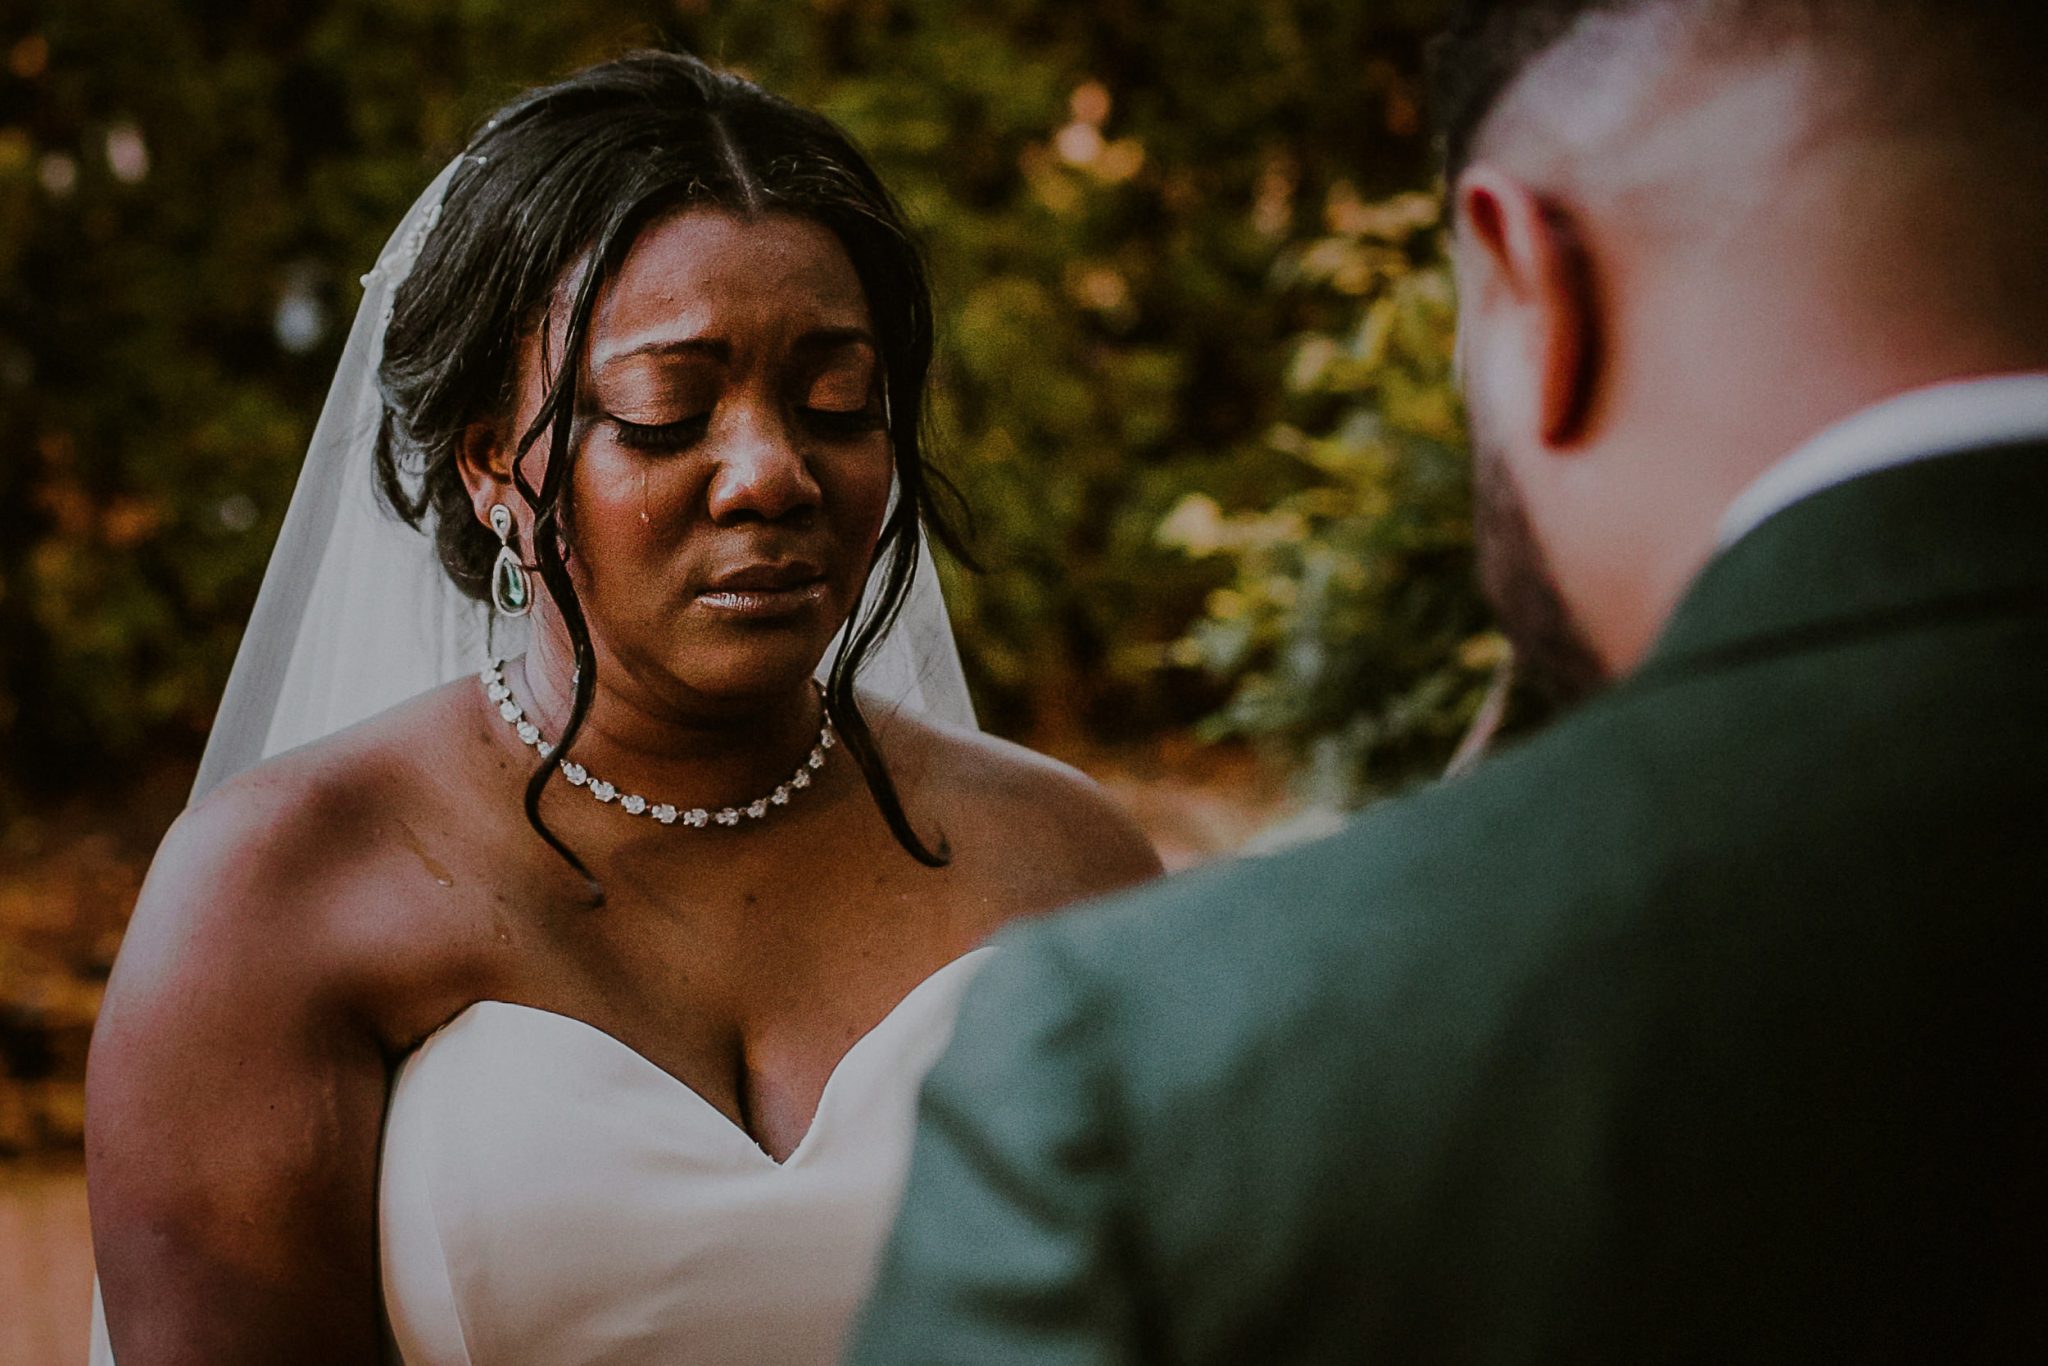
1941,420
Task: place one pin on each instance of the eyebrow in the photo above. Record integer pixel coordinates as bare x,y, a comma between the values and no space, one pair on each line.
714,348
832,338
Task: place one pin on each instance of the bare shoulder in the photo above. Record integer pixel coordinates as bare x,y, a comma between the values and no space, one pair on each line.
237,1076
262,943
235,928
1031,806
272,867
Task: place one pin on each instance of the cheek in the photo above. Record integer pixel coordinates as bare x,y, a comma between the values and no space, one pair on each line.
643,507
1492,384
625,512
608,487
857,486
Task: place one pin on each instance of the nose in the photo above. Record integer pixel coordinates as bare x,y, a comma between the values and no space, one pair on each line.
761,473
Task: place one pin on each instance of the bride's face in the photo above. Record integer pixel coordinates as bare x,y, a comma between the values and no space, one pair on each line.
733,469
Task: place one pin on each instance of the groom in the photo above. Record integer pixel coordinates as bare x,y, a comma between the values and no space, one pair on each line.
1708,1026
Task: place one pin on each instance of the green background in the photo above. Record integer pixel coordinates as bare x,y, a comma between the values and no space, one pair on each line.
1194,341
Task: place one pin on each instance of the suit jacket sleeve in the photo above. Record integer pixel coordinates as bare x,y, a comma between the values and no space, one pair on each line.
1012,1244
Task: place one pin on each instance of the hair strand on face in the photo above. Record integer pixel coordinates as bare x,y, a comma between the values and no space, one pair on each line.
561,180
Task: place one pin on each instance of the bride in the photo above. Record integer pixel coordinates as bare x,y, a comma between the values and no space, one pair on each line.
573,1010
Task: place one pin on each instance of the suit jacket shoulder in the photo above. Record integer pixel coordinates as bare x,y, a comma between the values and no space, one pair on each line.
1728,952
1702,1027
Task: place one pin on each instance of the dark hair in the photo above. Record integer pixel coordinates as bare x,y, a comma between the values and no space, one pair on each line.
568,175
1978,60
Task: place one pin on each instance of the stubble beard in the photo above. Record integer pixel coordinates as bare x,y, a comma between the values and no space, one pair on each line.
1552,653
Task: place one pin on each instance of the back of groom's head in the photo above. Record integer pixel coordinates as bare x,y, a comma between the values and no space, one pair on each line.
1976,64
1690,234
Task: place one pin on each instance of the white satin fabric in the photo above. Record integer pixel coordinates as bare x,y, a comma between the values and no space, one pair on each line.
550,1197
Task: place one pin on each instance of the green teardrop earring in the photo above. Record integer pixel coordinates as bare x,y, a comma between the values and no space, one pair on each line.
511,588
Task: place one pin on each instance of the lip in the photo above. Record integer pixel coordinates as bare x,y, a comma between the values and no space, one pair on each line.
764,576
764,589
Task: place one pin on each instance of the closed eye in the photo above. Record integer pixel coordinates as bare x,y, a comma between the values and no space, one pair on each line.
843,422
663,437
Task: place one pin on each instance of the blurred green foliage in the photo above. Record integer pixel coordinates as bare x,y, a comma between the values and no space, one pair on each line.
1140,216
1351,627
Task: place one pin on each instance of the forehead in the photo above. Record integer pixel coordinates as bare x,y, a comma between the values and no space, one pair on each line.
706,271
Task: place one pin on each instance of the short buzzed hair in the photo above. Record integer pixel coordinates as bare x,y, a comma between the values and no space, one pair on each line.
1980,61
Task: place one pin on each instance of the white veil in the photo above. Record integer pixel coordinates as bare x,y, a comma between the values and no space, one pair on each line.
356,614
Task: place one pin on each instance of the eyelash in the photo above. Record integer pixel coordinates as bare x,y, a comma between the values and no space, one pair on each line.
662,438
669,437
845,423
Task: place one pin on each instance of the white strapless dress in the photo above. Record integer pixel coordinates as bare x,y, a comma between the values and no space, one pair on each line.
549,1197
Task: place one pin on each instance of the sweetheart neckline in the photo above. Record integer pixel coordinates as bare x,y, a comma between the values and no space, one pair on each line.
725,1121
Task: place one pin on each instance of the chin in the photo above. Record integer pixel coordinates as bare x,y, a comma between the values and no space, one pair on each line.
739,670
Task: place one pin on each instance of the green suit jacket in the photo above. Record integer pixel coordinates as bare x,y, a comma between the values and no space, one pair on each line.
1705,1026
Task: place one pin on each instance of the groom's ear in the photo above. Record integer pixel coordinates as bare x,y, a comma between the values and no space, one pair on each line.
1526,260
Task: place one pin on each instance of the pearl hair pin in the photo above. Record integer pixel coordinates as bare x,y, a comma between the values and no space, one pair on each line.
492,676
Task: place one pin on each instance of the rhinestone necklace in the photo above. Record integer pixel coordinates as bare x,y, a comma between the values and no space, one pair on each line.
492,676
